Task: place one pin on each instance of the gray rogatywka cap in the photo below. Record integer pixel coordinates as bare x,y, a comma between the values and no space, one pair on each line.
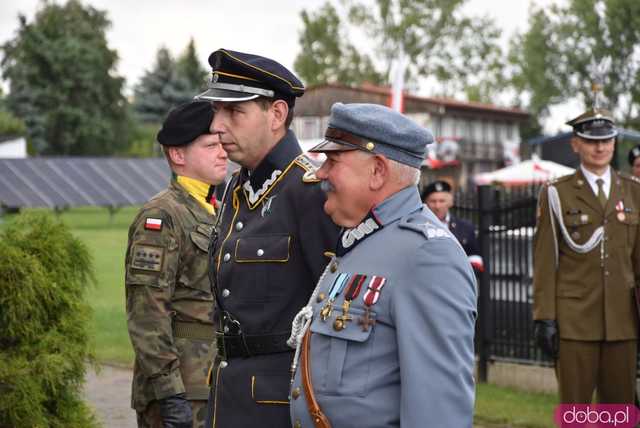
375,128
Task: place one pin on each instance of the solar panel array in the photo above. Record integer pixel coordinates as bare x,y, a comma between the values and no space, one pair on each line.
62,182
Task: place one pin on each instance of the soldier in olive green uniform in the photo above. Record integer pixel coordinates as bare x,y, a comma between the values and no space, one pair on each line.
169,300
586,265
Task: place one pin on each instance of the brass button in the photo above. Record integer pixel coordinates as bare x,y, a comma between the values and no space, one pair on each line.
260,252
226,293
223,364
226,257
334,267
297,424
320,297
239,226
295,393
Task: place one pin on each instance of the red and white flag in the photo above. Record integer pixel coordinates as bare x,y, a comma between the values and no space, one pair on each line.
398,68
153,223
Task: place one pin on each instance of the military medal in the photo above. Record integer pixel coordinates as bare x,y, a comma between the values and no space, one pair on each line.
620,208
352,292
335,290
370,298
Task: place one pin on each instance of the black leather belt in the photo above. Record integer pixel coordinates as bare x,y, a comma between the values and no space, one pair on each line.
246,345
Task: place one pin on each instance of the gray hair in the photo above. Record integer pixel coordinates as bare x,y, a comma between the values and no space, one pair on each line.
404,174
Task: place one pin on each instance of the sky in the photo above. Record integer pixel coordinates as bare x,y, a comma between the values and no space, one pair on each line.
268,28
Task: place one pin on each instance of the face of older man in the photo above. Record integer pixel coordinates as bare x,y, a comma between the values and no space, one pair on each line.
346,178
439,203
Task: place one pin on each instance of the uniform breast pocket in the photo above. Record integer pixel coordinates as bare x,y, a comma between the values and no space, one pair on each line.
629,221
263,261
341,360
580,227
201,236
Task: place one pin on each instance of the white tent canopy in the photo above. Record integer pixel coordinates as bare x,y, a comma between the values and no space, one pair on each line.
529,171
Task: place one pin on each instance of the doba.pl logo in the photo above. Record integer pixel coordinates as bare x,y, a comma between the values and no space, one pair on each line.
597,415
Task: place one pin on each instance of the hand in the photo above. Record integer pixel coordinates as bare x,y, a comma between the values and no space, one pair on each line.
176,412
545,333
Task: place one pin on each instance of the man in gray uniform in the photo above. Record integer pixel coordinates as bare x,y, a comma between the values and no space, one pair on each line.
387,337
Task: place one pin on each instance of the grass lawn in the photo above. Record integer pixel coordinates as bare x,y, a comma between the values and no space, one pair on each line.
502,407
106,238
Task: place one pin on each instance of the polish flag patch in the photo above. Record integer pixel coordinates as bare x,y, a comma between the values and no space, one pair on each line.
153,223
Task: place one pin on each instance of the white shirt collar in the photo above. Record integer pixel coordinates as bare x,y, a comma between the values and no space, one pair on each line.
591,179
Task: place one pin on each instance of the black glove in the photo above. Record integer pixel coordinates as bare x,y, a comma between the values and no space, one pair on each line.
545,333
176,412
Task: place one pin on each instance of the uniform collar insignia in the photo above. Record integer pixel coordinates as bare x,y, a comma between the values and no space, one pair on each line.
282,154
253,196
352,237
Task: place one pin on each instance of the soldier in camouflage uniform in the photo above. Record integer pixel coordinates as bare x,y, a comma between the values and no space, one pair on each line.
169,300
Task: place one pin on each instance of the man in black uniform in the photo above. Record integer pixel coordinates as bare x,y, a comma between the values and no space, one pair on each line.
272,238
438,196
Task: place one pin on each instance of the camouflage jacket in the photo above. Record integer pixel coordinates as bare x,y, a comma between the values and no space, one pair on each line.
169,300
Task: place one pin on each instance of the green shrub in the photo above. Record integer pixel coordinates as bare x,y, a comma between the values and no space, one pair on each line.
44,319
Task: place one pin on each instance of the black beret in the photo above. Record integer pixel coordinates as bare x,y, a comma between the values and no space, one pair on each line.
594,124
634,154
436,186
238,76
185,123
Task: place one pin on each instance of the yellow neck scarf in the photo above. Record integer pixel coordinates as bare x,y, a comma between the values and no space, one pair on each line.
201,191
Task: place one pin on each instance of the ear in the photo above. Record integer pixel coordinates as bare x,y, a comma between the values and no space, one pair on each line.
380,172
574,144
176,154
280,110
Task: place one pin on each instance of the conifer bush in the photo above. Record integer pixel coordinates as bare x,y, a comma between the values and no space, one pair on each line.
44,321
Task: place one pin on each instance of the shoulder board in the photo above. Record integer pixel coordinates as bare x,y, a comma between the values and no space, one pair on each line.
425,227
310,168
559,179
629,177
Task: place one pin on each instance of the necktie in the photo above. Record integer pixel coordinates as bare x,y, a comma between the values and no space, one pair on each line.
601,196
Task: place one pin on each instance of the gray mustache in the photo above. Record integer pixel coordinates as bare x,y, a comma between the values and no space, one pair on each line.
326,186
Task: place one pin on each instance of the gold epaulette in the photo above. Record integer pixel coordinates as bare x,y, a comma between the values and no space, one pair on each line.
310,169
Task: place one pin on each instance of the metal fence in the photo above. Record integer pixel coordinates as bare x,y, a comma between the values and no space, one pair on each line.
505,219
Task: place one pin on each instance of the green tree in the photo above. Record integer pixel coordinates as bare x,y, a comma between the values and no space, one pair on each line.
461,53
325,54
45,341
160,89
189,67
552,61
62,81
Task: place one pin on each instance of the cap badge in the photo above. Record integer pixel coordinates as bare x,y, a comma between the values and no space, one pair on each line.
439,187
370,146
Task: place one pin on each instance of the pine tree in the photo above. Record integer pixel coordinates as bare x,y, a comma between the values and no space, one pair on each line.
160,89
190,68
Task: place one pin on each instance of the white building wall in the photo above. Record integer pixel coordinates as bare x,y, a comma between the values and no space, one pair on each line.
14,149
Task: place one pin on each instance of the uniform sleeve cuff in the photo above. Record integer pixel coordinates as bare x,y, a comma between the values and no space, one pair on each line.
167,385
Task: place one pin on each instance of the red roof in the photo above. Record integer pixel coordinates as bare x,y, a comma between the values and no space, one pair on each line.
444,102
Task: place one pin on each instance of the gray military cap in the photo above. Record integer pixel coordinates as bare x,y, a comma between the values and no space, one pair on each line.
377,129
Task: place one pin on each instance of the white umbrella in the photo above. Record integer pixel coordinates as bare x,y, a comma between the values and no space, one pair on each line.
529,171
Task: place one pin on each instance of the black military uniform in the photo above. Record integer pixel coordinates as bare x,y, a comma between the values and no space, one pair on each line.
270,252
463,230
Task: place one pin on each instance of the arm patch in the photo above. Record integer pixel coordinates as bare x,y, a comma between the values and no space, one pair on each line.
147,257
